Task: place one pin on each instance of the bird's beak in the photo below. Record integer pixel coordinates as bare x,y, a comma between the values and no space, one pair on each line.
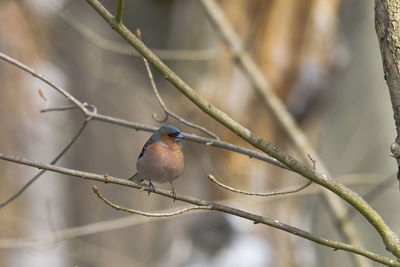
178,137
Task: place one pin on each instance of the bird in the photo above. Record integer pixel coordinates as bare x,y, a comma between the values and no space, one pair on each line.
161,159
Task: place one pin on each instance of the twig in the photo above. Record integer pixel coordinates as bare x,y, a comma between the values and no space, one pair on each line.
120,11
212,206
375,192
44,79
148,214
115,47
54,161
284,192
195,138
389,237
64,108
313,161
167,112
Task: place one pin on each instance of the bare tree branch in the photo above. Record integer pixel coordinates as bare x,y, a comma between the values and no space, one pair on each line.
120,11
63,108
256,219
54,161
164,106
283,192
148,214
44,79
374,193
124,222
194,138
387,25
115,47
389,237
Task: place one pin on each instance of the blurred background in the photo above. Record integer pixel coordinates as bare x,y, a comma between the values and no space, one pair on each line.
320,57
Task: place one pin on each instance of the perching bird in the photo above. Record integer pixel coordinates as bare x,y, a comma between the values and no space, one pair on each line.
161,159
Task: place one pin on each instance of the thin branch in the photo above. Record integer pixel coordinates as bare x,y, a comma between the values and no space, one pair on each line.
256,219
195,138
124,222
313,161
164,106
44,79
63,108
378,190
284,192
54,161
375,192
389,237
120,11
116,47
148,214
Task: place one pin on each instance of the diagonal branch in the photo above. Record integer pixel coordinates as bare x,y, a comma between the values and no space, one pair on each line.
124,49
44,79
170,113
115,224
164,106
389,237
54,161
256,219
277,107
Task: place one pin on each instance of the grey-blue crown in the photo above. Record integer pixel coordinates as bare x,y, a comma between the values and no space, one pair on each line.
172,132
170,129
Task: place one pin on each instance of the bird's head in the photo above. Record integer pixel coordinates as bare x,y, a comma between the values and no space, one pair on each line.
169,133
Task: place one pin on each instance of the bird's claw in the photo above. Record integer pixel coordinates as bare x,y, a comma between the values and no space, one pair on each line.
174,194
151,188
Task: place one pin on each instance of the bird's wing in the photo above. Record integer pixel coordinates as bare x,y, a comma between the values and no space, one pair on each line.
149,142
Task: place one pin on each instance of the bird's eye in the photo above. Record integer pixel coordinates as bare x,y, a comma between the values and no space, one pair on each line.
171,135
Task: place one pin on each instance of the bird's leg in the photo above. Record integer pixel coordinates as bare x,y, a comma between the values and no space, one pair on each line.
173,191
133,176
151,187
